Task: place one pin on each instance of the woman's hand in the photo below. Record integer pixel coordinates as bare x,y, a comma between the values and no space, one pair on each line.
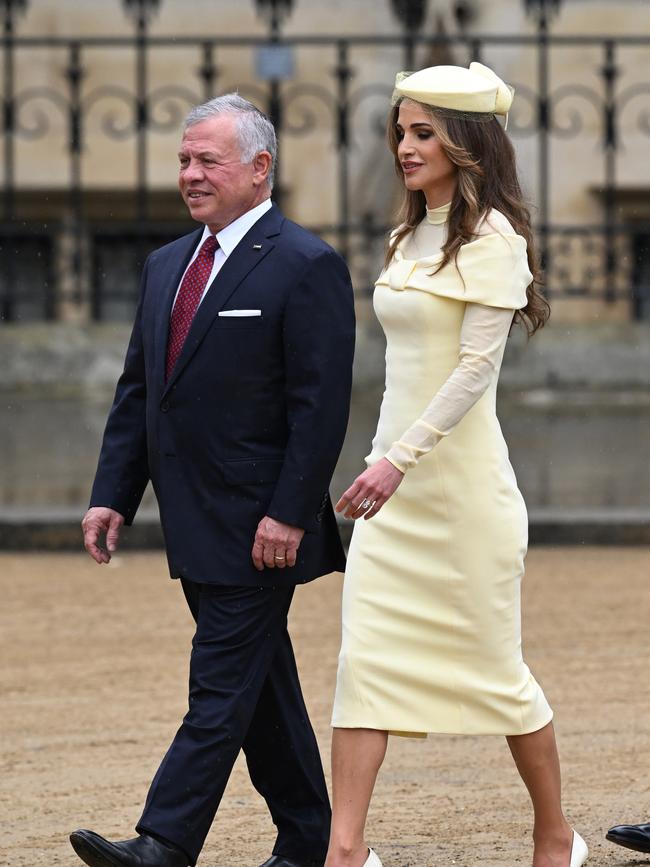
369,491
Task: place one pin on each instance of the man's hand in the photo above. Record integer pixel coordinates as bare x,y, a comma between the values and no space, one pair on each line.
276,544
98,520
369,491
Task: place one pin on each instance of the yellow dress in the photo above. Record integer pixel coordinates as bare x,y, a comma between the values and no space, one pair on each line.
431,637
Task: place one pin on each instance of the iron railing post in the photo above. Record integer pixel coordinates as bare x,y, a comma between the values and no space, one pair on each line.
610,72
343,74
8,284
74,75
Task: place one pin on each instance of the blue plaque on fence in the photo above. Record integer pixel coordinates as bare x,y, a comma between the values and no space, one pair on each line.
274,62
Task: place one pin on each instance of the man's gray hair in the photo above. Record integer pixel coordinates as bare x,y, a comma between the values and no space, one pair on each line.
254,130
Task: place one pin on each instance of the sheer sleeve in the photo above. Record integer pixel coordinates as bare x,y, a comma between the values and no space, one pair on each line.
482,343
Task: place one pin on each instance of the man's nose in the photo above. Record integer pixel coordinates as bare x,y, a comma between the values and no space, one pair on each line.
193,171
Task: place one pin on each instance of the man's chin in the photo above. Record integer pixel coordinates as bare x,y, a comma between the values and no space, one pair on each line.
199,212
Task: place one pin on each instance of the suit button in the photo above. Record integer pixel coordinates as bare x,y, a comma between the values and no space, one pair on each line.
164,406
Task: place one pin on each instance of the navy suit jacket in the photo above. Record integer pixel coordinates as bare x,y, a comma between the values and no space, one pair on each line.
252,420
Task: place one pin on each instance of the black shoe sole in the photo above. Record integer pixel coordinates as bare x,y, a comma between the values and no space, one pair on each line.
89,854
626,845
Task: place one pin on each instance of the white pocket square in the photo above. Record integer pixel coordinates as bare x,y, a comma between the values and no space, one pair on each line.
240,313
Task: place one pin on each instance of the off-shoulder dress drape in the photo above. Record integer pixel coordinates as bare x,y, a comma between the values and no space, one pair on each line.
431,603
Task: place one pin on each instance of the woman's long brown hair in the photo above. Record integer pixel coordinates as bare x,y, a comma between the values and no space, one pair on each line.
486,179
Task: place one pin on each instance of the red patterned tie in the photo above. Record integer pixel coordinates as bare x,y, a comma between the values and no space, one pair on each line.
187,300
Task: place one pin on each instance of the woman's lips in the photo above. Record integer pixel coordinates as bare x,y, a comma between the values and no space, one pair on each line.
409,168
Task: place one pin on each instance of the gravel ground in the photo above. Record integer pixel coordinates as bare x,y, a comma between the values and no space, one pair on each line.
94,677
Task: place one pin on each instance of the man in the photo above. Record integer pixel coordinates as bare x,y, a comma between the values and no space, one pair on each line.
636,837
234,402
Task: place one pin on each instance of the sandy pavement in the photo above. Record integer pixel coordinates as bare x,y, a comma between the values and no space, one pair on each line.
94,670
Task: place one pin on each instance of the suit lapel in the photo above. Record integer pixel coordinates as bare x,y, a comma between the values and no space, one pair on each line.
250,251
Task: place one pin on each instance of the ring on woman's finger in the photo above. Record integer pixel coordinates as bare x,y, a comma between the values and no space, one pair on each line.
366,504
279,558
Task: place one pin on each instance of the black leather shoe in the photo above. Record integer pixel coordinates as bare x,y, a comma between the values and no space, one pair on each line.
284,861
635,837
142,851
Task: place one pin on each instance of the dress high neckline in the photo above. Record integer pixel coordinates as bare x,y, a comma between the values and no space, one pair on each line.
438,216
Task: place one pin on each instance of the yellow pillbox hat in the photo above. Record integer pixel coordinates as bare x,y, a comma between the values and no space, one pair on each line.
476,90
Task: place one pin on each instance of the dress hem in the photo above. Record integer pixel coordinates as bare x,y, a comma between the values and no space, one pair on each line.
401,731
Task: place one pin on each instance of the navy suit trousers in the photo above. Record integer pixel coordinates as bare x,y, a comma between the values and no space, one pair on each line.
244,693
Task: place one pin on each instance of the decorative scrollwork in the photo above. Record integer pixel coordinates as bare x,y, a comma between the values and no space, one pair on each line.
307,119
40,124
346,105
627,96
110,123
169,101
576,122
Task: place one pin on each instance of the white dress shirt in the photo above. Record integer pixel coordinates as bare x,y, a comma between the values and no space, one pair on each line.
227,238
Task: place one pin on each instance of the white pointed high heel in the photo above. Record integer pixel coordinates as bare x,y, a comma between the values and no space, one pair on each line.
579,851
373,860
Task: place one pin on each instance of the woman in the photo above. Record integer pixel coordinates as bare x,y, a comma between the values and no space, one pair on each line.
431,616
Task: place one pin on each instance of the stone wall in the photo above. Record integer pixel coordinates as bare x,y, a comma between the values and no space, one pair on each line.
574,405
68,360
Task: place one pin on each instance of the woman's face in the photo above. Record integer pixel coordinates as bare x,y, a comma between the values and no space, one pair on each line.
425,165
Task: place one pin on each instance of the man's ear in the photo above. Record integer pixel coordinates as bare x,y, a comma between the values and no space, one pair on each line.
262,167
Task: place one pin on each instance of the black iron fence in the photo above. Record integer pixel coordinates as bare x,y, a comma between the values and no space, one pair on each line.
69,244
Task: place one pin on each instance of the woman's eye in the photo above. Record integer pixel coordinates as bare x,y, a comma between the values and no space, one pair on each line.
423,136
